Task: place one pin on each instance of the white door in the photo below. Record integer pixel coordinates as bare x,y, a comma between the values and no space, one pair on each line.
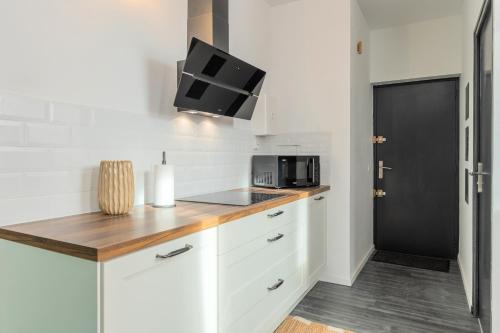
143,292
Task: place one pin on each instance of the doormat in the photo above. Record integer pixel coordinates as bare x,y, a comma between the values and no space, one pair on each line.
409,260
301,325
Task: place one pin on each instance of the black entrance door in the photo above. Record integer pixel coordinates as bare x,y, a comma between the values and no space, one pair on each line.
483,167
417,168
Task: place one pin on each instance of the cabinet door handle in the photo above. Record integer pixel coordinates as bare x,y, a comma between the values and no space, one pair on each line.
175,252
319,198
275,214
276,285
280,236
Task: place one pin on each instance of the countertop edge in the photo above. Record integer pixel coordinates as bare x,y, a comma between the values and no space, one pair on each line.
123,248
71,249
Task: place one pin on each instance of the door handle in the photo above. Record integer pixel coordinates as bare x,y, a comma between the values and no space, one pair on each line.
274,239
277,285
174,253
381,169
275,214
477,173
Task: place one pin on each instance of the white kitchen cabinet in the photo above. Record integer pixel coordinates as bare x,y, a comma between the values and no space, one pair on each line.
178,294
263,118
316,236
248,273
258,253
243,276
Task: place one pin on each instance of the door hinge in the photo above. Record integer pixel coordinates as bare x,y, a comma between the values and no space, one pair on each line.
378,193
480,176
378,139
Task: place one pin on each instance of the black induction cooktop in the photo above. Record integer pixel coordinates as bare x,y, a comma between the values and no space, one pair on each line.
233,198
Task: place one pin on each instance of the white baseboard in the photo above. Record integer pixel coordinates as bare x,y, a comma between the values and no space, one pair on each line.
467,284
344,281
362,264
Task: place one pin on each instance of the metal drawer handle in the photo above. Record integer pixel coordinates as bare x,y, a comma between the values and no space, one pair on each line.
319,198
277,285
280,236
275,214
174,253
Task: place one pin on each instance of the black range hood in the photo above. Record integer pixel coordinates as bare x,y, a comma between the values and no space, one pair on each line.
214,82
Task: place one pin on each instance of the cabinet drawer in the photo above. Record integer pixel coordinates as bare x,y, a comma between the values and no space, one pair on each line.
139,261
237,233
269,308
143,293
249,261
238,300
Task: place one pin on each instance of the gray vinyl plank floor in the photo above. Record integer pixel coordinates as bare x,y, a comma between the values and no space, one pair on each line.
391,298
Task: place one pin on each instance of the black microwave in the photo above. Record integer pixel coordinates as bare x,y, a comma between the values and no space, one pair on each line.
280,171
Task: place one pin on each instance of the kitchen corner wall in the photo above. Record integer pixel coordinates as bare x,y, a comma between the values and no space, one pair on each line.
361,106
310,93
84,81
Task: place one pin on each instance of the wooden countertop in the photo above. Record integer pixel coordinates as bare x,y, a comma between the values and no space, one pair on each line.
100,237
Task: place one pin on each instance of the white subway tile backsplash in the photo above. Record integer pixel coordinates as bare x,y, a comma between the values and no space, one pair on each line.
58,182
40,135
71,114
14,106
67,159
49,157
26,209
73,204
10,185
40,184
25,160
11,133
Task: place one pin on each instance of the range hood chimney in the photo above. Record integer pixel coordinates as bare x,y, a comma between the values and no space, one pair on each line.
208,21
211,82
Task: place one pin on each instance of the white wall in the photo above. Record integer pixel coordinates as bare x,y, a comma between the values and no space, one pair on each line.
307,65
309,92
88,80
313,89
471,11
417,50
361,159
84,81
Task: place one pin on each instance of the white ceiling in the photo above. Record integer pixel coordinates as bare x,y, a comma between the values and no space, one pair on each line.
278,2
386,13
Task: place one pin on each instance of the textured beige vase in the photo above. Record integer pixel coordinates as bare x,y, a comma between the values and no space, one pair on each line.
116,187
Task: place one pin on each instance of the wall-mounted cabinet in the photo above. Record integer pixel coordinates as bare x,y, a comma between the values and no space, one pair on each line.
263,118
